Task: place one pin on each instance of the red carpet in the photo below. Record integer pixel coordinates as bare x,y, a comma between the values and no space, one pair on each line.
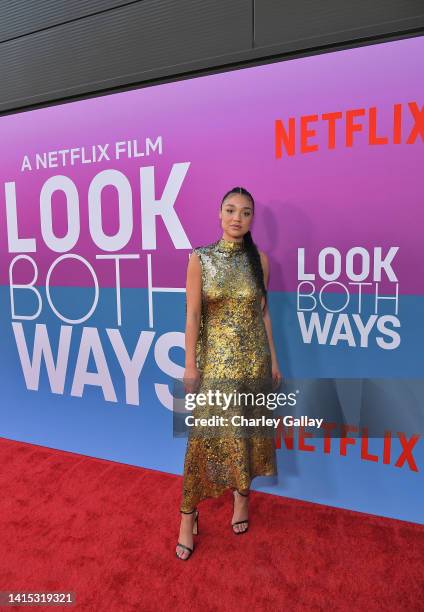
108,532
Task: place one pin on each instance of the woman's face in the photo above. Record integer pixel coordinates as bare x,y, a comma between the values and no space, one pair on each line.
236,215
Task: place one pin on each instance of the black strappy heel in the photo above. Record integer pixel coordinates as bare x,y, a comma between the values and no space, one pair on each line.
195,532
240,522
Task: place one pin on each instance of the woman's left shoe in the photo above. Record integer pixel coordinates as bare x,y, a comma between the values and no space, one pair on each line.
245,521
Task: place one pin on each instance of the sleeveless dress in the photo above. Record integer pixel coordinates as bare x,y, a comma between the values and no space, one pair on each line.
233,356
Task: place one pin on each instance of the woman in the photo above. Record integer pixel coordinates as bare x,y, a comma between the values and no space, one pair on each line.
229,346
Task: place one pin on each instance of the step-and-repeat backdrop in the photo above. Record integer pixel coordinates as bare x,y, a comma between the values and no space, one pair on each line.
102,201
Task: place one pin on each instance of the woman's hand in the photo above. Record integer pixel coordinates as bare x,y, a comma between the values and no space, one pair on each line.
276,375
191,379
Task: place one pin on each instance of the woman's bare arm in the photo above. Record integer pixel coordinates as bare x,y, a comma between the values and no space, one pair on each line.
265,314
193,308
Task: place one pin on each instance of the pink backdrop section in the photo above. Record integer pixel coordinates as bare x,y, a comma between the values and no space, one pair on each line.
223,125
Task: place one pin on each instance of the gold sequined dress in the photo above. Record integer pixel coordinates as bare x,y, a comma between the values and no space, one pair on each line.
233,355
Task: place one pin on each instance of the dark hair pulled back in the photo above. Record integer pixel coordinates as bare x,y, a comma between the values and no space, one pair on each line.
251,248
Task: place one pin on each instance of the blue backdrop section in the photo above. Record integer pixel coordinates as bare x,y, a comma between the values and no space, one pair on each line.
142,434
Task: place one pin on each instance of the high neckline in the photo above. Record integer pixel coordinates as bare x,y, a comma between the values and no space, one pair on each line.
229,246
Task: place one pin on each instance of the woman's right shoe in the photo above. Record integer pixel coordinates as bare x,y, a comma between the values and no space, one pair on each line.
246,521
195,532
